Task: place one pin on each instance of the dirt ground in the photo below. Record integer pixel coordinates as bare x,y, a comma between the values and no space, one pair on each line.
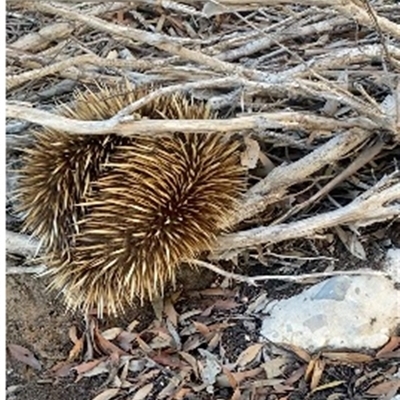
37,321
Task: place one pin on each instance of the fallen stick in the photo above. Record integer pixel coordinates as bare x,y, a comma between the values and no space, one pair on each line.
18,243
366,209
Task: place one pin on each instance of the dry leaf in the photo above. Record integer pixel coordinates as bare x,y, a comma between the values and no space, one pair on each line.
302,354
348,357
112,333
170,312
125,369
143,392
240,376
392,344
352,243
214,340
137,365
250,156
76,350
149,376
162,341
317,373
258,304
220,326
310,369
132,325
202,328
87,366
273,368
217,291
210,9
329,385
193,342
225,304
177,343
248,355
280,388
191,361
335,396
296,376
125,340
62,369
174,384
107,394
231,378
182,393
73,334
207,312
105,345
112,55
266,162
143,345
24,355
167,360
236,394
384,387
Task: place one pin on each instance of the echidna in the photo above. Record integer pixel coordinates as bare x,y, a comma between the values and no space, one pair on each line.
119,215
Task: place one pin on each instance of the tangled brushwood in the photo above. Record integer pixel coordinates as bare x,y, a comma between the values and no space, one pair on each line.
117,216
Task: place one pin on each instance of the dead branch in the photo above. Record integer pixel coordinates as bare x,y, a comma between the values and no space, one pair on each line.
160,41
362,159
368,208
128,126
24,245
273,188
18,270
39,40
286,175
252,280
348,8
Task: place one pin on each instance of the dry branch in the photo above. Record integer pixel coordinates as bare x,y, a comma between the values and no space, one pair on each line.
370,207
37,41
17,243
348,8
268,40
160,41
61,66
330,152
273,188
252,280
127,126
18,270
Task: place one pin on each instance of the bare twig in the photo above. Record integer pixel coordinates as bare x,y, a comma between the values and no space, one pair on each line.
365,157
162,42
252,280
347,8
127,126
370,207
39,40
18,243
284,176
17,270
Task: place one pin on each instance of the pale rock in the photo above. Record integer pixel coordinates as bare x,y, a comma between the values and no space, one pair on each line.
343,312
392,264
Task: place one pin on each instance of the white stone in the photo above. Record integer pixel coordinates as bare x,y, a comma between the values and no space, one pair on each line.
343,312
392,264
